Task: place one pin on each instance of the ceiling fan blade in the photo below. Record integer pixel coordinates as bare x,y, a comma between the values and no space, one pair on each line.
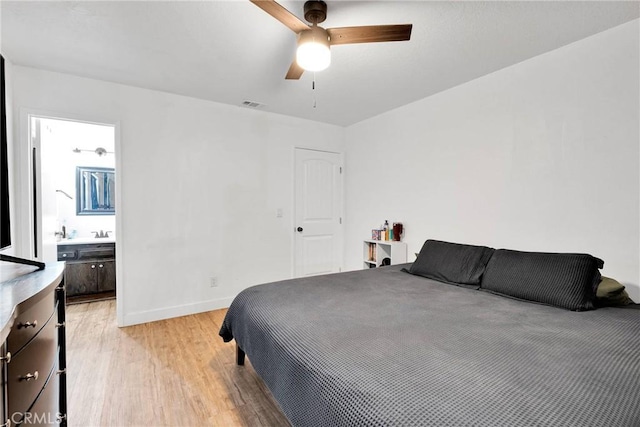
370,34
295,71
281,14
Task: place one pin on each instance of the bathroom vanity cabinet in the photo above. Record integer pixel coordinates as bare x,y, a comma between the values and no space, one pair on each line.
91,269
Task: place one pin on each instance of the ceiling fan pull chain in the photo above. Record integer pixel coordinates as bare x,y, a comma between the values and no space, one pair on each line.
313,89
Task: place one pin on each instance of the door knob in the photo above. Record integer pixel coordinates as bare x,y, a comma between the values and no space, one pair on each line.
299,229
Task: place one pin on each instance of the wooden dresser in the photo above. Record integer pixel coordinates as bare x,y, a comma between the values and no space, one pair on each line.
32,345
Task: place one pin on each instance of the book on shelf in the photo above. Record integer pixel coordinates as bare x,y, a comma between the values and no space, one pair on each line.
372,252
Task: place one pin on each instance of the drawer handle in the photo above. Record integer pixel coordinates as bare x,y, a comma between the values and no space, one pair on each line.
93,266
30,376
101,266
64,255
33,324
6,359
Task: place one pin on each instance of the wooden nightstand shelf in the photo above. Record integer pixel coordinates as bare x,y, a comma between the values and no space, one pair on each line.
375,252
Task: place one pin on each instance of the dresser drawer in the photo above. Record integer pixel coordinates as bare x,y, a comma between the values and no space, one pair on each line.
28,370
45,410
30,321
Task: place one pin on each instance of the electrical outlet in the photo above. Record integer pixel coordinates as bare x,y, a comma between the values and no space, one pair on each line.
279,213
213,282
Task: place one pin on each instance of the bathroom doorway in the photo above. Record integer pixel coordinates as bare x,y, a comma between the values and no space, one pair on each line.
74,202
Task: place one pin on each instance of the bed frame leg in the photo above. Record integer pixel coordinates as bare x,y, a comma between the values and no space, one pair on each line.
239,355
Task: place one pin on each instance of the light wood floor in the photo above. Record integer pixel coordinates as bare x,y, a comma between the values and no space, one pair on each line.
175,372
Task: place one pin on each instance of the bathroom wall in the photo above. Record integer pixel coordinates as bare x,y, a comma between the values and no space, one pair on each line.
65,137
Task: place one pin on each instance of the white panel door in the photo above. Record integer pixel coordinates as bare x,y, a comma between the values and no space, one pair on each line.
318,211
46,207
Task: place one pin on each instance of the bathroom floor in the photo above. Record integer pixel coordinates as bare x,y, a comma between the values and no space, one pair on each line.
102,296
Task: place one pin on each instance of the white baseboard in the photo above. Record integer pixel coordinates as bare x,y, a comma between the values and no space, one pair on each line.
175,311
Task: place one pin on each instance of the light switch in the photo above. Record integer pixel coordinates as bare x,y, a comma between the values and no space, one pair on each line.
279,213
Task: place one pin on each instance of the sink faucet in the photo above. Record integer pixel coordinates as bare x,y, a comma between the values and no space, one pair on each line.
63,233
101,234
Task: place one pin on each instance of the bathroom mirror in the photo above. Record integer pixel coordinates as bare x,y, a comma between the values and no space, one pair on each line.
95,190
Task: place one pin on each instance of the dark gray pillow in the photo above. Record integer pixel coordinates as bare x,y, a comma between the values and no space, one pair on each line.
563,280
451,262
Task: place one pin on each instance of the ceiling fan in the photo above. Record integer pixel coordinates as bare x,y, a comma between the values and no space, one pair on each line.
313,52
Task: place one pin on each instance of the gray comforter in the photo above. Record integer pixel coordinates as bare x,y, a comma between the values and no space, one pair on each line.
382,347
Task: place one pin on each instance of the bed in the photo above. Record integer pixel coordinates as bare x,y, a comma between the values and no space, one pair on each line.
383,347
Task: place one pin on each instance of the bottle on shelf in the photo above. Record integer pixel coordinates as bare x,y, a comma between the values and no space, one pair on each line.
397,231
385,227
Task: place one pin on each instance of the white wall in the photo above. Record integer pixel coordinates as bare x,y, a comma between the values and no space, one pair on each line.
540,156
200,184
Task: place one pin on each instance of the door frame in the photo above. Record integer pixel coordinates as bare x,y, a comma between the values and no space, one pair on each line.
24,185
293,224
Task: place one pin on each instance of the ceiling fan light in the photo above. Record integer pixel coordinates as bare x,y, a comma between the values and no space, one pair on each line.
313,53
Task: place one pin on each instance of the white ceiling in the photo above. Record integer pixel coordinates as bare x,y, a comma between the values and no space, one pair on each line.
231,51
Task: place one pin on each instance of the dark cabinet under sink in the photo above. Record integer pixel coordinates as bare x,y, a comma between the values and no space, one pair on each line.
90,271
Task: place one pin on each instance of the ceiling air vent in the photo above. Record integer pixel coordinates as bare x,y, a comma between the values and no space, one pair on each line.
252,104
